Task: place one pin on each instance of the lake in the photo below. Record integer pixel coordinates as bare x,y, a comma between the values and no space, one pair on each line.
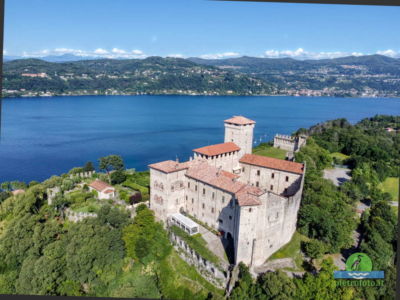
41,137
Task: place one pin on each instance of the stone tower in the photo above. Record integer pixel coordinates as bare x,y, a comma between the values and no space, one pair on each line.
239,130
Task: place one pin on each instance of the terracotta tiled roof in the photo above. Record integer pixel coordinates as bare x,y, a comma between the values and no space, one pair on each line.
249,196
108,191
240,120
17,192
246,194
99,185
273,163
169,166
218,149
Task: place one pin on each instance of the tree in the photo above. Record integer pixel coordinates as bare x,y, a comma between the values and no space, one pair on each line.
88,167
314,248
117,177
145,239
111,162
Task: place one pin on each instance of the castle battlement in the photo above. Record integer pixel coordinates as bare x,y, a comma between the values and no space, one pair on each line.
251,200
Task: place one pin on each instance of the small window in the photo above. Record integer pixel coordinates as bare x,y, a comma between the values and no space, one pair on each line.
285,191
223,199
203,206
204,191
243,169
195,188
186,197
273,175
176,201
230,217
220,221
257,183
192,200
271,187
188,184
287,178
212,209
258,172
250,209
213,195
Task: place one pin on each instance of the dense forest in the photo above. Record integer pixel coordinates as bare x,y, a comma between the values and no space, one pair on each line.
118,255
372,75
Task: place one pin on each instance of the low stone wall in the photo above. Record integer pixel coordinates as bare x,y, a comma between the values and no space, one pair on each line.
78,216
207,269
82,174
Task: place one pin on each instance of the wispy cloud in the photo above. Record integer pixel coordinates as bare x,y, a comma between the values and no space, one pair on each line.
176,55
99,52
220,55
300,53
389,52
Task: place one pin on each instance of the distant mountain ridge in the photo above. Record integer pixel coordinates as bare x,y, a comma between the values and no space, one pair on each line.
152,75
352,76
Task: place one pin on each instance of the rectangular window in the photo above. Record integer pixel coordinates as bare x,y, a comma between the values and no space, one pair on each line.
213,195
203,206
204,191
212,209
188,184
257,184
271,187
220,221
285,191
272,175
243,169
186,197
258,172
195,188
192,200
223,199
287,178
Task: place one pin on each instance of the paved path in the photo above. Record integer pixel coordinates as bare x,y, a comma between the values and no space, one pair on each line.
337,175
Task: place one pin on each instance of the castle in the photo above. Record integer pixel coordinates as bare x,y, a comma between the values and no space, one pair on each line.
289,143
251,200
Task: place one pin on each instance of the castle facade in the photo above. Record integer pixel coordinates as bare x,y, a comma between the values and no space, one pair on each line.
251,200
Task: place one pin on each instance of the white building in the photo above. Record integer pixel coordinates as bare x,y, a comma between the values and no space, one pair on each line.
104,190
252,200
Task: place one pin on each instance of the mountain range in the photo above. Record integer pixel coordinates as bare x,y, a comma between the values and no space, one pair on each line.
370,75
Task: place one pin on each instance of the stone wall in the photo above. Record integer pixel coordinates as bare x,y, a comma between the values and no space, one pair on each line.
78,216
82,174
217,275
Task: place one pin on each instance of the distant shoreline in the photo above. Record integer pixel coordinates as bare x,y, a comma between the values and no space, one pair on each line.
205,95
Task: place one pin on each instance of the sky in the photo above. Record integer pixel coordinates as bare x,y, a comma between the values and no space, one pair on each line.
201,28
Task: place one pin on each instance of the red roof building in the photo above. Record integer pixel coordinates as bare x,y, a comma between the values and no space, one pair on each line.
217,149
273,163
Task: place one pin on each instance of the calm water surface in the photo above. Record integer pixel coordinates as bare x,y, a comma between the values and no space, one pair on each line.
41,137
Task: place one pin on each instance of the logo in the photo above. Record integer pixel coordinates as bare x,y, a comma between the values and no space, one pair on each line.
358,266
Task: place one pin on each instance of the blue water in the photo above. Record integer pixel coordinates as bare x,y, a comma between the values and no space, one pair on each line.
41,137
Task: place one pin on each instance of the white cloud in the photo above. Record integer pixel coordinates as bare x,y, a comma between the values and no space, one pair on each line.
390,53
300,53
118,51
100,51
220,55
176,55
137,52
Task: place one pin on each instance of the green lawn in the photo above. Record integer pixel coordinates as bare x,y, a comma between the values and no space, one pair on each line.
391,186
291,249
339,156
270,151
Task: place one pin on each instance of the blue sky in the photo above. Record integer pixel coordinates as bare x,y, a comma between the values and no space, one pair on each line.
209,29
